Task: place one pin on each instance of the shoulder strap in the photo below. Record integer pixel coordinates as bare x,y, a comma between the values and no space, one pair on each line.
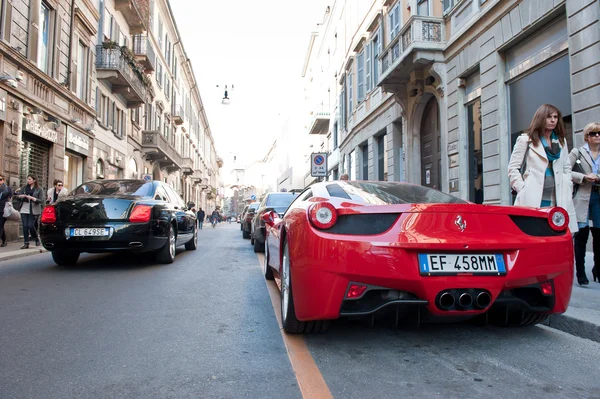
524,158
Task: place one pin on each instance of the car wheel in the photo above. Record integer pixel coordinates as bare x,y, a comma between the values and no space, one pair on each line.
192,244
290,323
258,246
65,258
268,272
167,253
251,239
245,234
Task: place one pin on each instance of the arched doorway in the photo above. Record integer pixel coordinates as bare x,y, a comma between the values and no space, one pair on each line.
431,156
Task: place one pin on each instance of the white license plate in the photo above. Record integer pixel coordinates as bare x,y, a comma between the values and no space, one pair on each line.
89,232
461,263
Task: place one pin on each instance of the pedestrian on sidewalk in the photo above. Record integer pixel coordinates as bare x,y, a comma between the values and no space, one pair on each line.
57,192
536,156
201,216
5,195
32,200
585,165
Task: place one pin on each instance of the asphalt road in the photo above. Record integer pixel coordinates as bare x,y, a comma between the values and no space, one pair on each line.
204,327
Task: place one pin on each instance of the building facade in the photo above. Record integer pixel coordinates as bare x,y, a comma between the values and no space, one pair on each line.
436,93
81,97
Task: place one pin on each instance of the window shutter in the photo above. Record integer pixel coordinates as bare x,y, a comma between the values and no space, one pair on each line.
368,67
74,65
7,21
90,68
97,100
56,51
34,31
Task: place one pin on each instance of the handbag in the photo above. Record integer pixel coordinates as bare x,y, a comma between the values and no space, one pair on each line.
577,168
522,168
17,203
11,213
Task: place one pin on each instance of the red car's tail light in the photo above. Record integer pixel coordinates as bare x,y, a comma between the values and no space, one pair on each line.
547,288
323,215
558,219
140,214
356,291
49,215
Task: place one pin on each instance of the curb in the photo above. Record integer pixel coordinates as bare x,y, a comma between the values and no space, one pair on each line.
21,254
574,326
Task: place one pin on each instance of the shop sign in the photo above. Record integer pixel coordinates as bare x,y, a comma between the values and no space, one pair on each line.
2,105
77,142
40,130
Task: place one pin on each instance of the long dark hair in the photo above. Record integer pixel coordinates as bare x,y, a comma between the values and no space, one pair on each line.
538,124
35,181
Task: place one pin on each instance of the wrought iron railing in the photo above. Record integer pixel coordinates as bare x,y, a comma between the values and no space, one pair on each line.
113,59
156,140
418,30
142,46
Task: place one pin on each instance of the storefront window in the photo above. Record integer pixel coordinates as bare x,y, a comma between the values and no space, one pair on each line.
73,171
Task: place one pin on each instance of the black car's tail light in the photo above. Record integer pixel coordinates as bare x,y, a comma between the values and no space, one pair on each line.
536,226
49,215
140,214
364,224
323,215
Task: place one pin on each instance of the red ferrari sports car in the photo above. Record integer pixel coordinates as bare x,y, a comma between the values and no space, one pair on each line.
360,248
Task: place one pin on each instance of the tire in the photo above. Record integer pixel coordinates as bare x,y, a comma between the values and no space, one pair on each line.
291,324
258,246
245,234
63,258
251,240
167,253
267,271
192,244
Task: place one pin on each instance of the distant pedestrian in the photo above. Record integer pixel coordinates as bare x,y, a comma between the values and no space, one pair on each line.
5,195
32,197
585,165
344,176
536,156
201,216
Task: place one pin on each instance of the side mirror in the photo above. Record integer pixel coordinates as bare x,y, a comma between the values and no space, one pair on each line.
191,205
269,218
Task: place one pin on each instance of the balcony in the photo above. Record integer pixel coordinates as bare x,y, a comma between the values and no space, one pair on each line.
319,123
143,52
177,115
197,176
157,149
114,68
187,166
132,15
419,44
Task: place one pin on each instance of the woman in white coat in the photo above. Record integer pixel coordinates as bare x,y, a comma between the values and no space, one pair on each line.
546,180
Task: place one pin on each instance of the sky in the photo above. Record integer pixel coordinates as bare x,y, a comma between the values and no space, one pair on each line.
259,48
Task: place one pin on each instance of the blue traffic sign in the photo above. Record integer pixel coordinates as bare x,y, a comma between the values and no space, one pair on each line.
253,197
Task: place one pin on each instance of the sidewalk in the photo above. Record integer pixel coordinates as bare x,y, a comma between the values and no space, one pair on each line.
13,250
582,319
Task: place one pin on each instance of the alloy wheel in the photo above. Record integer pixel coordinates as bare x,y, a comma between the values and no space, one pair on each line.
172,244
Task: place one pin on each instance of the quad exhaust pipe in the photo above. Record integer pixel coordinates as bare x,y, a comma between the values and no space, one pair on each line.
463,299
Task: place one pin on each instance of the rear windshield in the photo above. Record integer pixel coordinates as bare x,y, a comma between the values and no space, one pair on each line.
280,200
253,206
387,193
116,187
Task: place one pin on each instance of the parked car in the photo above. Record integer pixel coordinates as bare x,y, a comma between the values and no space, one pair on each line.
277,202
118,215
247,219
354,249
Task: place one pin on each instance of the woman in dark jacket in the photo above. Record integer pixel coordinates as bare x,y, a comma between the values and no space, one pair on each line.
5,195
32,197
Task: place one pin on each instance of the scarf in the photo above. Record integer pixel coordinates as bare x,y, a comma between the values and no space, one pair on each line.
552,151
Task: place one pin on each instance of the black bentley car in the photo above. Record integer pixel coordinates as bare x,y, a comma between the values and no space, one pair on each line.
118,215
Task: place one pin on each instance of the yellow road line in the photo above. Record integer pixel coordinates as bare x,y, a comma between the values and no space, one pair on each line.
310,380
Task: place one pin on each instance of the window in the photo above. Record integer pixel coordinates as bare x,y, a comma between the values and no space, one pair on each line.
160,34
381,158
376,50
335,135
423,7
159,74
368,67
167,87
43,54
395,21
100,169
82,80
342,105
448,4
387,193
360,69
136,116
